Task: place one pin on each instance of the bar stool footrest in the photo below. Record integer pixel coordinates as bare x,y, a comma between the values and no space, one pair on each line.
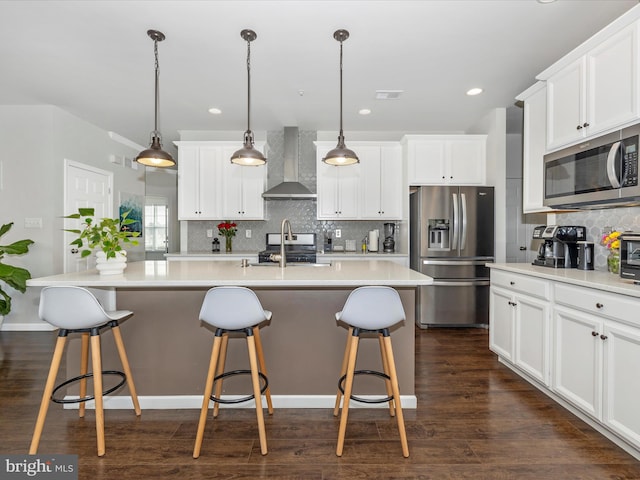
88,397
232,373
366,400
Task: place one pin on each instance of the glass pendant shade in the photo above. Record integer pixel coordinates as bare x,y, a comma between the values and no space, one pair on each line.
341,155
248,156
154,156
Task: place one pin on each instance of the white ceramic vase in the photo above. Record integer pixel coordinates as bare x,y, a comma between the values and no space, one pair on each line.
111,266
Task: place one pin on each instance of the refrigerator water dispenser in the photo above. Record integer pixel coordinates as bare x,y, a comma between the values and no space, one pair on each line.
438,234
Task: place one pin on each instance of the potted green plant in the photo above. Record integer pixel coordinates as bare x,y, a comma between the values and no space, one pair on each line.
15,277
106,237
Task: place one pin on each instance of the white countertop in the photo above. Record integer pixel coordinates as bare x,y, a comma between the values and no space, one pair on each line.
176,273
599,279
253,254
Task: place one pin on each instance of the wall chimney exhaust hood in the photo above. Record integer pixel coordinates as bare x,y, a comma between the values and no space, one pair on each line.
290,188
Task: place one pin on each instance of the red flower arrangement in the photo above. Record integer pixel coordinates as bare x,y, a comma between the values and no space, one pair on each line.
227,228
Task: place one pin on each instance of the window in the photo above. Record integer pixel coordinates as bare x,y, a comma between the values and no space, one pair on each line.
156,213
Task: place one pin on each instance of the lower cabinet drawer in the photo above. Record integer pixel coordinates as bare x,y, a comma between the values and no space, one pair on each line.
614,306
521,283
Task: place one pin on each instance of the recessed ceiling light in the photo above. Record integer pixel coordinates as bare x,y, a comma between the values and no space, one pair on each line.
215,111
364,111
546,1
474,91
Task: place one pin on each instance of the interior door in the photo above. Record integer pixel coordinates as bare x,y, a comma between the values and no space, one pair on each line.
84,187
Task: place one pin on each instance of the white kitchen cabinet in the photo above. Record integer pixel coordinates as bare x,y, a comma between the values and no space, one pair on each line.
243,187
597,92
446,159
519,322
596,356
199,188
381,182
534,144
338,188
577,359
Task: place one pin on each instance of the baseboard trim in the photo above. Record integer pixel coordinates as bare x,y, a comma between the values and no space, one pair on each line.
169,402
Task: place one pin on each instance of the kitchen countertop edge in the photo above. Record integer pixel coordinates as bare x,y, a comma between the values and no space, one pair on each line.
598,279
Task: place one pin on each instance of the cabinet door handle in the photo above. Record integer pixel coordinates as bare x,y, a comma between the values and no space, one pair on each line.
513,304
603,337
74,250
585,124
512,283
599,305
594,334
579,127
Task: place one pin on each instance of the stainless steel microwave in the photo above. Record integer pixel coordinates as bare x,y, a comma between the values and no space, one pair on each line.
598,173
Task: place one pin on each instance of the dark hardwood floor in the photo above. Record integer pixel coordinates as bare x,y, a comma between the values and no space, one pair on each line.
475,420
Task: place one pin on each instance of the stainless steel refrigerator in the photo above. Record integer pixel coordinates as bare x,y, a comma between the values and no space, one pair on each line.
451,240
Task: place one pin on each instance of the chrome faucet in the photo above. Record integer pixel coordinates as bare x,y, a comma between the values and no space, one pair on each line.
282,258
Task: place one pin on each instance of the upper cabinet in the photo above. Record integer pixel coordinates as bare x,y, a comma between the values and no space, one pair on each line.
534,148
369,190
381,174
210,187
338,188
199,186
446,159
244,187
597,92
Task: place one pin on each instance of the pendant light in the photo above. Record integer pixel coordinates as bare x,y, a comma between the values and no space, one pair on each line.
247,155
341,155
154,156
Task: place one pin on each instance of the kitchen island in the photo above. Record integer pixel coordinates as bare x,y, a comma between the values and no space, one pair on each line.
169,347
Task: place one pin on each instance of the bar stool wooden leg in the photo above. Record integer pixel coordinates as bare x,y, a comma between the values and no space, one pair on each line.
84,368
46,395
396,396
215,353
385,369
222,360
263,367
348,388
126,367
255,380
97,391
343,370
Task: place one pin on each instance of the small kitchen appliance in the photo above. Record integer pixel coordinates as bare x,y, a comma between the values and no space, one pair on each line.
389,243
301,249
630,256
560,246
585,255
374,236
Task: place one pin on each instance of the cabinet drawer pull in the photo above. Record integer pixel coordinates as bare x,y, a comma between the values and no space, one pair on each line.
603,337
599,305
594,334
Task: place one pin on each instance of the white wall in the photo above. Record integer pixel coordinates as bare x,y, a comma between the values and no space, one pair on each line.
35,141
494,125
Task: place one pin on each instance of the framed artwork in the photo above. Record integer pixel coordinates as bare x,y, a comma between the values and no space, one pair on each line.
134,204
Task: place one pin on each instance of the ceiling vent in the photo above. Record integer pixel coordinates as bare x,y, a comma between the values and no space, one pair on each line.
388,94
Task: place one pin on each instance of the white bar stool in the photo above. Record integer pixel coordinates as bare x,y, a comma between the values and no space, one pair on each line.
244,317
370,309
76,310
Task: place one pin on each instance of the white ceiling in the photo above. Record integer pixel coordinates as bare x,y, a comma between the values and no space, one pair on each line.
94,59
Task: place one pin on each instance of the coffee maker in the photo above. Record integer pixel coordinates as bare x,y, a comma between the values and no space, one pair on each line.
389,243
559,247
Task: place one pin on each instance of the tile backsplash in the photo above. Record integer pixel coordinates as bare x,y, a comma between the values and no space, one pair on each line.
301,213
596,221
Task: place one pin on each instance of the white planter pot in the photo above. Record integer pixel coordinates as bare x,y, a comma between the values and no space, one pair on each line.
111,266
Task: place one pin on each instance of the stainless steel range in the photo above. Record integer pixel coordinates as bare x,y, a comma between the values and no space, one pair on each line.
302,249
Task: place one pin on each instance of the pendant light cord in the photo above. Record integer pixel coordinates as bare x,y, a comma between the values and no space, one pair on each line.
157,67
249,87
341,137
